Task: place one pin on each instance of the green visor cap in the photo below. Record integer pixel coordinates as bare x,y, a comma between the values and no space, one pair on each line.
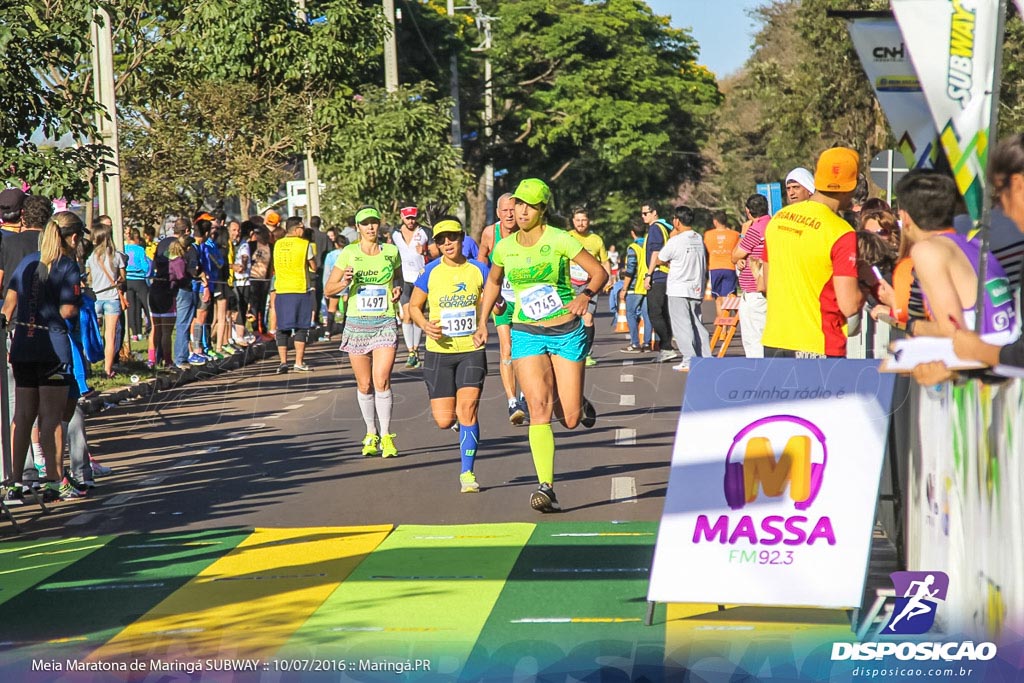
533,191
367,213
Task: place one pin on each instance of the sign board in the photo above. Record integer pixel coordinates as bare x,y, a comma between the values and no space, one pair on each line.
773,192
774,481
888,168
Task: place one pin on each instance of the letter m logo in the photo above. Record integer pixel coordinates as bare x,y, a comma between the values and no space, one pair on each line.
762,470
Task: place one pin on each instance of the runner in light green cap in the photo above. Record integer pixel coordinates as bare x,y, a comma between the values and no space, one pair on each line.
548,340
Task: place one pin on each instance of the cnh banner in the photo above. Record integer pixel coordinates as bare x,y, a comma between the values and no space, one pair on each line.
952,46
774,481
883,55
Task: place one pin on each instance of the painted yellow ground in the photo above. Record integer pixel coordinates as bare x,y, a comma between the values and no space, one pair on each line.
248,603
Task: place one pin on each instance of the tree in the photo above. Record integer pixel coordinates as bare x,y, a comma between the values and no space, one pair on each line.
44,42
392,148
596,97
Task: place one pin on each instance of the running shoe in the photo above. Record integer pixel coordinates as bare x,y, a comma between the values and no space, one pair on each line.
516,414
50,492
183,366
544,500
282,369
14,493
69,491
195,359
370,442
229,349
632,349
590,362
683,366
589,417
302,368
40,469
387,446
413,361
214,355
70,480
99,470
666,355
468,481
249,339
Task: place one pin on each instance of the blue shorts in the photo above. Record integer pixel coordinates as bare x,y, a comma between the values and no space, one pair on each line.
568,341
294,311
723,282
108,307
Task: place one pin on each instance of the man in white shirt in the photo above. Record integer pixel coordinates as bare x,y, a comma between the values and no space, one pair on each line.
412,241
686,258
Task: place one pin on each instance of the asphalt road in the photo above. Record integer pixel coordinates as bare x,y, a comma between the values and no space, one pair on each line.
253,448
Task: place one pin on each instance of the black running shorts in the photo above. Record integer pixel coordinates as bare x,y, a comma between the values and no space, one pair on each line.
446,373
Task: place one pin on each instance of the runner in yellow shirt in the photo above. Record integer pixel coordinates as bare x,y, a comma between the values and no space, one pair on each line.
593,245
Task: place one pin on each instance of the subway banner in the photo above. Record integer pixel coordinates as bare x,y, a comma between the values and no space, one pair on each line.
952,46
774,481
883,55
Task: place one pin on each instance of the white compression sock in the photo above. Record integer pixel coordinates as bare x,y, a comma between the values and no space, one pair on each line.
417,334
407,336
383,402
366,407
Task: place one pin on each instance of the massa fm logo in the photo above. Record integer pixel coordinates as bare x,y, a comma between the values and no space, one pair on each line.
777,457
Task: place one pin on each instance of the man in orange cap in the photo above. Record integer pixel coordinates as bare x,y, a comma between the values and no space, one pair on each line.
810,266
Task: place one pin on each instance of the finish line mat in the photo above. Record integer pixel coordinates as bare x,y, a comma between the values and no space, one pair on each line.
491,602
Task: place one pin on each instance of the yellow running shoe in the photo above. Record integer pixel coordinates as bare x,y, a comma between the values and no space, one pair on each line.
387,446
370,442
468,481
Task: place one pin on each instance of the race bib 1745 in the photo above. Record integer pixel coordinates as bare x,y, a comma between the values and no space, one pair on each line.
540,301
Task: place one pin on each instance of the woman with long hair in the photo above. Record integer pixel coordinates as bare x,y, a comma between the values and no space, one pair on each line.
45,291
372,272
261,259
106,268
548,340
138,290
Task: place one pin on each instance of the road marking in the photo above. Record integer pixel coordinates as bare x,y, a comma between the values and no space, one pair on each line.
627,363
623,490
82,519
153,481
425,578
625,437
627,400
105,587
272,576
186,463
388,629
589,570
324,391
449,538
293,406
257,425
211,449
603,533
275,416
574,620
308,398
118,500
626,378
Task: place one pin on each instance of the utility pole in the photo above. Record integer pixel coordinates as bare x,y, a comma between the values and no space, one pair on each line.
391,48
456,108
309,170
108,188
484,24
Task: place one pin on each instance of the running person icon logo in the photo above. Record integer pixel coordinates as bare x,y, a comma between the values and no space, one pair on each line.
917,596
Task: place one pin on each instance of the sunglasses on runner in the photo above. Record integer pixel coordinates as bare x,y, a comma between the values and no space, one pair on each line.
445,236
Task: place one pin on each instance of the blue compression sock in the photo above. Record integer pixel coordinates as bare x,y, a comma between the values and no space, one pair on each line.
469,439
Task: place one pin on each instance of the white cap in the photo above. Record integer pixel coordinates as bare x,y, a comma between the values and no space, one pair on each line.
803,176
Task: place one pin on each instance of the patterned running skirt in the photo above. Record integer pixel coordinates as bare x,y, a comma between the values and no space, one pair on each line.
363,334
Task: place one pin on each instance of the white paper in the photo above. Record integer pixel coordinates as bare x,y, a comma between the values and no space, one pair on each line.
909,353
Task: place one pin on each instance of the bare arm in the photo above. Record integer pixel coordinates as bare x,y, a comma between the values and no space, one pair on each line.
931,264
848,294
486,243
10,303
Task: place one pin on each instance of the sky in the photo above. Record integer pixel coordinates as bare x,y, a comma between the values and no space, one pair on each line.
722,28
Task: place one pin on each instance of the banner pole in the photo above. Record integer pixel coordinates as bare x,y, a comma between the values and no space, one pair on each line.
985,223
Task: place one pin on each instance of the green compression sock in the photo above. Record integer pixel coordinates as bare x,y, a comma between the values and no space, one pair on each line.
542,445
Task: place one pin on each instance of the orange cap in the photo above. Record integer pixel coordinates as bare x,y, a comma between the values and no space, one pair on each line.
204,217
273,218
837,170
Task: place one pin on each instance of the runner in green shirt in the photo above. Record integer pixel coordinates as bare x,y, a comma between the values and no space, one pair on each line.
548,339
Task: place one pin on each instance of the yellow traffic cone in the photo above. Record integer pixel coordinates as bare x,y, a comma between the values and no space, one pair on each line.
621,324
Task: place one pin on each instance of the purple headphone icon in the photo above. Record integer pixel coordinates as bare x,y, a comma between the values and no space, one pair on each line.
735,486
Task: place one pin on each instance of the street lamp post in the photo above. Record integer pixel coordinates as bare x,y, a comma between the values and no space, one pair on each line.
108,185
